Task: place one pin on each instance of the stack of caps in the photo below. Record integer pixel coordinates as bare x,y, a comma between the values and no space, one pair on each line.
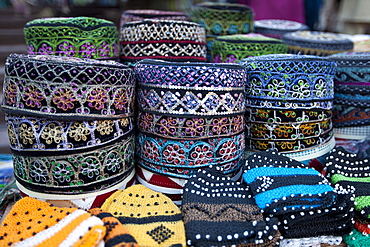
220,212
352,168
170,40
233,48
275,28
142,14
222,19
70,127
289,103
32,222
150,217
317,43
190,116
301,197
351,114
84,37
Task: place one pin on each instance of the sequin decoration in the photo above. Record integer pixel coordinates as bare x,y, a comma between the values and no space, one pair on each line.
76,173
67,88
84,37
162,39
34,135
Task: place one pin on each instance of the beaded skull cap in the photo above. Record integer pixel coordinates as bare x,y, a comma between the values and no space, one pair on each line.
223,18
286,81
84,37
281,185
162,39
190,89
220,212
317,43
233,48
142,14
67,88
276,28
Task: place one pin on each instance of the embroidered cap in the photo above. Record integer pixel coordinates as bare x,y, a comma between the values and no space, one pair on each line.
276,28
67,88
170,40
142,14
317,43
84,37
234,48
286,81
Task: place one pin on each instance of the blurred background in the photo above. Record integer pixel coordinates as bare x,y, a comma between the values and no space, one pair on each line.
340,16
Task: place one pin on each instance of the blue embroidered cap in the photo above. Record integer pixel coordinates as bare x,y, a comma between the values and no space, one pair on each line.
286,81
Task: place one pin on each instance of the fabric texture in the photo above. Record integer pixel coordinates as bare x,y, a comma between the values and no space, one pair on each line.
220,212
357,239
190,116
331,241
362,225
31,222
151,217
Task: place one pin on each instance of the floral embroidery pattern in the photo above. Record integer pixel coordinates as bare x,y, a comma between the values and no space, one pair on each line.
32,134
64,99
52,133
75,87
48,36
79,172
79,132
33,96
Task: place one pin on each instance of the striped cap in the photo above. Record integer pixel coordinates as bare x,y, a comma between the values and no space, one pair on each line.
32,222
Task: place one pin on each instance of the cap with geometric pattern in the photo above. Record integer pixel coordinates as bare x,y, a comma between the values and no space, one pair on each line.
151,217
221,212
